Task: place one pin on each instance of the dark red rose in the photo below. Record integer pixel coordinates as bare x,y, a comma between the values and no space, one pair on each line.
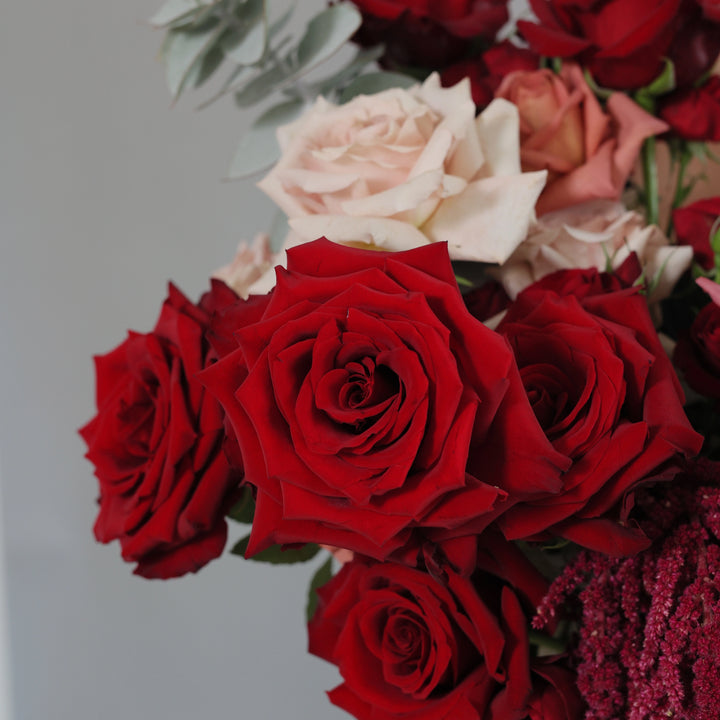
372,410
607,397
622,43
697,353
409,646
487,300
710,9
695,45
157,443
694,114
487,71
693,226
427,34
555,694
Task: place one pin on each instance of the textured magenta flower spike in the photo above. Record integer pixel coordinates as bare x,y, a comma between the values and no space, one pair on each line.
649,626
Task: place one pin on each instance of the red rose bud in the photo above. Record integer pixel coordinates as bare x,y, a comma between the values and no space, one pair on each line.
409,646
697,353
372,410
157,443
694,114
607,397
694,226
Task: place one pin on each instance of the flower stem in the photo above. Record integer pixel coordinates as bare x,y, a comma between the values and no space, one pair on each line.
652,197
679,188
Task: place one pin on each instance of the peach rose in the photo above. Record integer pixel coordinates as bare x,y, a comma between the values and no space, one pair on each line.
250,264
404,168
594,234
588,153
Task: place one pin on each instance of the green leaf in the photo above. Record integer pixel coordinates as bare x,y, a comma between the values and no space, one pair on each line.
601,92
275,555
277,25
259,148
243,510
326,33
663,83
321,576
335,83
174,10
183,50
375,82
245,45
324,36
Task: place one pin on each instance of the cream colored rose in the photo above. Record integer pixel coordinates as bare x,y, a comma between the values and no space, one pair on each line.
594,234
403,168
250,264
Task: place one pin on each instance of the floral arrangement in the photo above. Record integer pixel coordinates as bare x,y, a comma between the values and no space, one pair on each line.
477,365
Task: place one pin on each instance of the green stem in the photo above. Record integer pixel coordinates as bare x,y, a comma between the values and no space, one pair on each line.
679,188
652,197
545,642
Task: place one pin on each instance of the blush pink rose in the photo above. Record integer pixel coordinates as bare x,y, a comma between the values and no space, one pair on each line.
404,168
587,152
594,235
250,264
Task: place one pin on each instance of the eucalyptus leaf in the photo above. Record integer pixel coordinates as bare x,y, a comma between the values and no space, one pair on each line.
263,85
275,555
246,43
326,33
335,82
321,576
182,50
259,148
375,82
174,10
277,25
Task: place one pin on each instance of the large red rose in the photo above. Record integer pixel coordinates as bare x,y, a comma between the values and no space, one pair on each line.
372,410
623,43
157,443
607,397
409,646
693,226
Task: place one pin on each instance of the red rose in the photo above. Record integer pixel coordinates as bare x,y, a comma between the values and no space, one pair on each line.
694,114
156,443
487,71
697,353
411,647
372,410
622,43
607,397
427,34
693,226
711,9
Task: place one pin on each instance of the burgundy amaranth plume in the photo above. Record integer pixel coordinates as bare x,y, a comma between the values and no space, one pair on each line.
649,625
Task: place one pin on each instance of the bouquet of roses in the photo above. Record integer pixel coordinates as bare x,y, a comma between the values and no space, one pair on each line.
479,365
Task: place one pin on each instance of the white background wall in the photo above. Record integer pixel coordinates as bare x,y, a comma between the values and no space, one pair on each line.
105,194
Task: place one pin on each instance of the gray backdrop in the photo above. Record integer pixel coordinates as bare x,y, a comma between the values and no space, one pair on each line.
106,193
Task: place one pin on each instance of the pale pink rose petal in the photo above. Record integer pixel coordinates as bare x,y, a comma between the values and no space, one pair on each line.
382,233
250,263
711,288
489,219
498,129
342,555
